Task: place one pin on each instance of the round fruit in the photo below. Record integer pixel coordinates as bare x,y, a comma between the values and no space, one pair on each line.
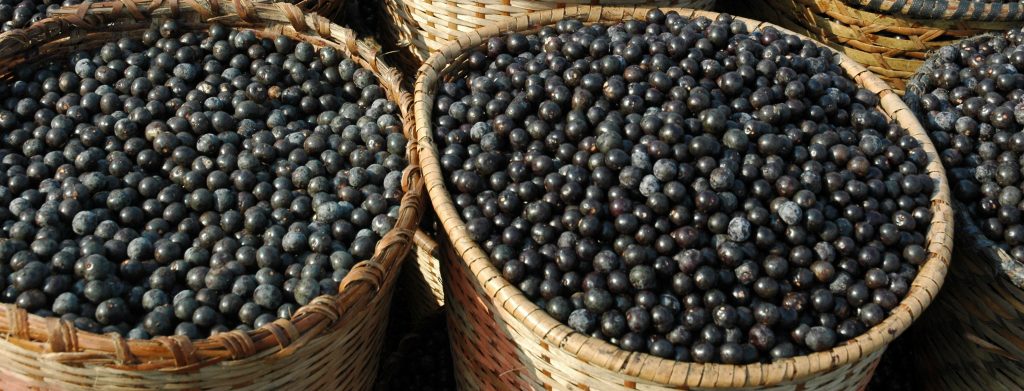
972,104
191,182
685,188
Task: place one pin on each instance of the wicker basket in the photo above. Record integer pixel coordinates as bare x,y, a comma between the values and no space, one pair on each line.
502,340
890,37
964,345
419,27
414,29
332,343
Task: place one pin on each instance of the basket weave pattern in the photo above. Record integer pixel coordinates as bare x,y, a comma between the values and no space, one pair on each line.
957,9
973,338
891,38
502,340
332,343
421,280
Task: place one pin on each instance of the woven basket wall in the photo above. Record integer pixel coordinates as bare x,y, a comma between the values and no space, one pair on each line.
332,343
420,288
891,38
419,27
501,340
974,336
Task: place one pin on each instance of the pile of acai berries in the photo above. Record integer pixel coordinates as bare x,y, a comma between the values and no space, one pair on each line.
972,101
16,14
686,188
191,182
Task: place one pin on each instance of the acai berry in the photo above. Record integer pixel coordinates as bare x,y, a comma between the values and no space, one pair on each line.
191,182
685,188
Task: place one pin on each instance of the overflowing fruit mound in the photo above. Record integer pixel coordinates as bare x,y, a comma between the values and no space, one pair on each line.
20,14
191,183
973,100
686,188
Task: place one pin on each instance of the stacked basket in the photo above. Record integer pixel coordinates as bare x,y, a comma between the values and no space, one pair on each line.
332,343
502,340
891,38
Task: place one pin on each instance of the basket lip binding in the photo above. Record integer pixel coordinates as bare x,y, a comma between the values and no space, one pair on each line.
367,282
924,287
971,240
968,10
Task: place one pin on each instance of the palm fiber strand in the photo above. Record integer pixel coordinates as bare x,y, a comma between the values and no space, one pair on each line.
891,38
502,340
974,336
332,343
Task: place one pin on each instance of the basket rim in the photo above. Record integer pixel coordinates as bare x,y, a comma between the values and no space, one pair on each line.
644,366
869,23
971,237
972,240
367,283
970,10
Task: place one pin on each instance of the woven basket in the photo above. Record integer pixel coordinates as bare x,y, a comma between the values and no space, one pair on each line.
419,27
890,37
332,343
414,29
974,336
502,340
